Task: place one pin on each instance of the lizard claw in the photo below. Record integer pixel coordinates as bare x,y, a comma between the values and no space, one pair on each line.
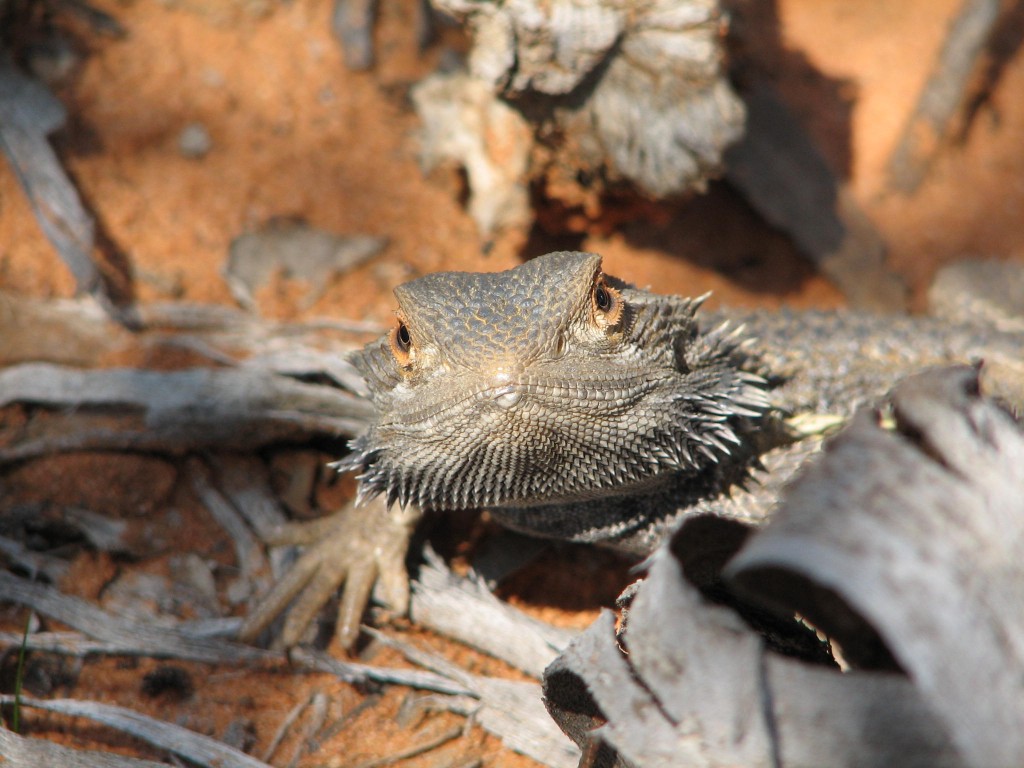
359,547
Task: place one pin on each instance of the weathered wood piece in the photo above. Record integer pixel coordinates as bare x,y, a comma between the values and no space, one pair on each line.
17,750
614,91
706,693
127,636
984,291
352,24
173,412
103,632
106,534
944,95
36,563
244,481
912,537
250,558
267,381
75,332
903,541
28,114
510,709
465,124
466,610
293,249
783,175
190,745
698,688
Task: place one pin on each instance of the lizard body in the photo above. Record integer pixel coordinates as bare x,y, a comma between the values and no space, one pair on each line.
577,407
546,393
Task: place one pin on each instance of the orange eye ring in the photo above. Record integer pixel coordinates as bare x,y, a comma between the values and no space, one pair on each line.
607,303
401,342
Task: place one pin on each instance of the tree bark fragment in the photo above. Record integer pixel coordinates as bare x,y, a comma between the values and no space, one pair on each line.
904,542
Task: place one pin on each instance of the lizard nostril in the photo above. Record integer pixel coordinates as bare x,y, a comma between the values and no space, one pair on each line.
506,397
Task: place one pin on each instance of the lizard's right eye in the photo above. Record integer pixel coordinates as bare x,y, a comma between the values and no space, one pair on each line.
401,344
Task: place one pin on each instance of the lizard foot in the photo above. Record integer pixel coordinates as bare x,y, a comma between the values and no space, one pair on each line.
359,547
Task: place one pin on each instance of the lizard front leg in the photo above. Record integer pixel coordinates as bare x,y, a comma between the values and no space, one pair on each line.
359,547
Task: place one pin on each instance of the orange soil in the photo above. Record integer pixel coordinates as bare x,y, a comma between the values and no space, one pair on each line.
296,134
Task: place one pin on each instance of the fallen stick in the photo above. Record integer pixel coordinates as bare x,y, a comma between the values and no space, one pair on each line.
944,95
193,746
173,412
28,114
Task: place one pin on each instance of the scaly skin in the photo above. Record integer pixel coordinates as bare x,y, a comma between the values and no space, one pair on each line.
576,407
546,384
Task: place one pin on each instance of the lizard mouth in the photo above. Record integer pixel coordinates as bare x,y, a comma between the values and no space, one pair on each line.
444,412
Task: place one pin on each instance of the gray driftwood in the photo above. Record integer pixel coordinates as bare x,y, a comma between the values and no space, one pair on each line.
264,381
510,709
293,249
100,631
918,530
619,91
944,96
637,93
352,24
250,558
17,750
28,114
904,543
195,747
76,332
699,688
35,563
465,609
779,169
984,291
172,412
125,636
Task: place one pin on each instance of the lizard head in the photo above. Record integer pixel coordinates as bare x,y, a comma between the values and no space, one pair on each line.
546,383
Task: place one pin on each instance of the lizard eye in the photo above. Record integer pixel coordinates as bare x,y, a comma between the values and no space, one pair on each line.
402,337
607,303
401,343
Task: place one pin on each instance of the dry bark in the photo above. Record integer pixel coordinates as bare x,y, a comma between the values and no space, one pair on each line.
903,541
195,747
261,382
918,534
785,178
614,91
28,114
464,609
20,751
944,96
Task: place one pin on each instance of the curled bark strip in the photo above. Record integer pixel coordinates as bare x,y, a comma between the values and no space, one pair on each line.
903,541
908,538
